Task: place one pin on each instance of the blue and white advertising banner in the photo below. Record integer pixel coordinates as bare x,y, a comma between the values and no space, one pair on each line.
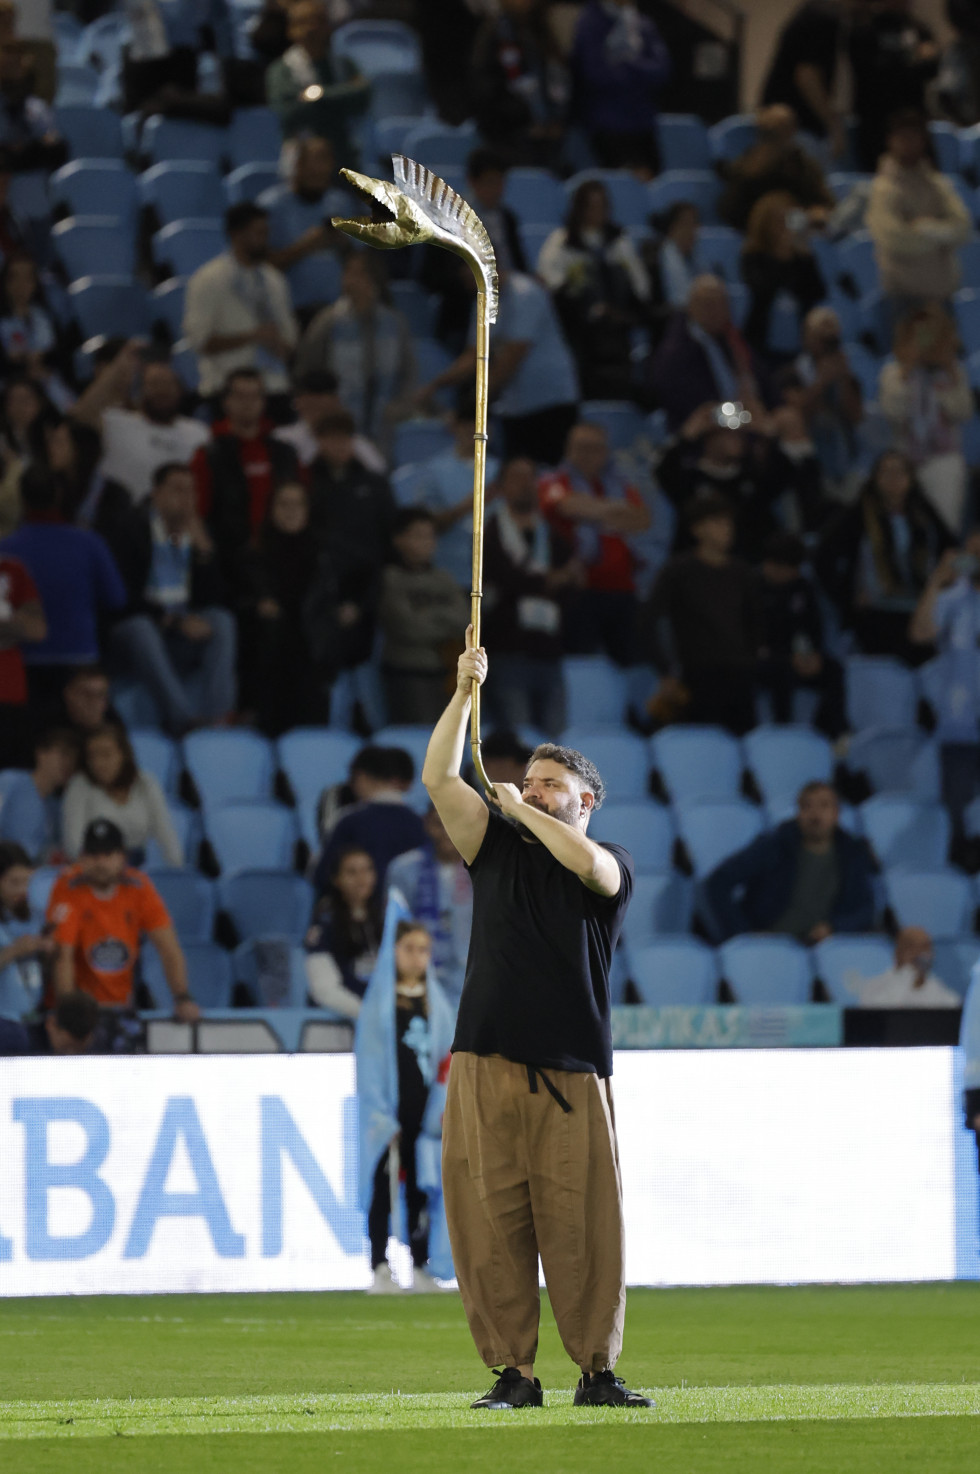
191,1173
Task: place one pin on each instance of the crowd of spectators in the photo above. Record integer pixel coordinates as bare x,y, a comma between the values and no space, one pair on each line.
244,539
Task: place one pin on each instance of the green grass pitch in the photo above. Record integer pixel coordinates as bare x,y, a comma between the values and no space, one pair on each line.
747,1381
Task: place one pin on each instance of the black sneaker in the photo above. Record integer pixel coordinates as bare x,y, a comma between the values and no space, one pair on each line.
509,1391
605,1389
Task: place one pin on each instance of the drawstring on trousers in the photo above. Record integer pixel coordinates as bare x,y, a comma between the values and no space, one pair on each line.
532,1079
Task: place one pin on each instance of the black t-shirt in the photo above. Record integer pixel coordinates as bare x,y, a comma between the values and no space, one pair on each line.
537,976
809,38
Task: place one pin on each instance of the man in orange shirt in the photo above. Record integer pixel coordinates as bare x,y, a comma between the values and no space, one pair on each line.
100,910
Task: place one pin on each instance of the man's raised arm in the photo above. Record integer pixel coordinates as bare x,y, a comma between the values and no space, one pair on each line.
460,808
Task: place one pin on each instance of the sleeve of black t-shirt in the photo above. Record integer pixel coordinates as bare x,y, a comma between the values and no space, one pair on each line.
624,895
500,836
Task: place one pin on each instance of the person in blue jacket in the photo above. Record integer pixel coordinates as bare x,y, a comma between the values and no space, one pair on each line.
619,65
807,879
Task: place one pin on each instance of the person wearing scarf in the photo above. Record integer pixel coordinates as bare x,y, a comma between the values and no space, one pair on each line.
704,358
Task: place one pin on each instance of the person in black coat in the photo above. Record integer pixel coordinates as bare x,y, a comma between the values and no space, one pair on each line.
777,259
174,634
807,879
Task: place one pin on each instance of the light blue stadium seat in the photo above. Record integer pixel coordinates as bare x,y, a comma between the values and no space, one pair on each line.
966,306
906,833
182,189
209,973
110,306
843,181
536,197
719,251
431,358
183,361
377,46
969,254
398,94
406,485
263,901
684,142
766,972
842,963
419,440
413,739
645,828
629,198
660,904
157,753
699,186
87,244
249,181
596,691
946,143
438,145
90,132
697,763
866,368
418,306
940,900
856,260
167,305
187,823
533,238
897,760
190,899
40,887
954,959
186,245
674,972
104,39
254,137
732,136
179,138
227,765
620,757
782,759
68,36
880,691
97,186
244,834
313,758
77,85
389,134
712,831
971,818
873,320
783,333
622,422
315,281
273,968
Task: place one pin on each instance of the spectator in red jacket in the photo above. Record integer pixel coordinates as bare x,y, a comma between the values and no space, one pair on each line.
21,620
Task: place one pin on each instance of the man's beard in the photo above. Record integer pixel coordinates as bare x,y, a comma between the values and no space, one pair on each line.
565,813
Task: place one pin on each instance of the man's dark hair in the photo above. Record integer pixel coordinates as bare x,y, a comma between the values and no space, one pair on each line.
407,517
169,468
339,422
251,374
506,745
814,785
316,381
240,217
575,762
785,548
85,673
704,508
388,764
667,219
12,854
484,161
77,1014
38,489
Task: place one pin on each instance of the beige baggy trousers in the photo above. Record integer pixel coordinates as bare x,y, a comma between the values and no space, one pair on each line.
521,1178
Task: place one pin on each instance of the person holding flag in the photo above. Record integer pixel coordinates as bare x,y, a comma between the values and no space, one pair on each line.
402,1036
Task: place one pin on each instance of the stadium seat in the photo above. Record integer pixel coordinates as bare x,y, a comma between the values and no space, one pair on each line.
697,763
249,181
228,765
431,358
856,263
966,306
40,887
971,818
189,897
315,280
645,828
104,40
157,753
719,250
732,136
178,138
866,368
674,972
596,691
313,758
880,692
660,904
90,132
782,759
842,963
906,833
946,146
419,440
77,85
712,831
699,186
186,245
533,238
419,307
101,187
90,244
187,824
843,181
68,35
766,972
377,46
264,901
167,305
241,834
413,740
622,422
969,254
182,189
620,757
254,137
273,968
406,483
109,306
535,196
438,145
209,973
388,136
629,198
183,361
684,142
954,959
398,94
940,900
896,760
